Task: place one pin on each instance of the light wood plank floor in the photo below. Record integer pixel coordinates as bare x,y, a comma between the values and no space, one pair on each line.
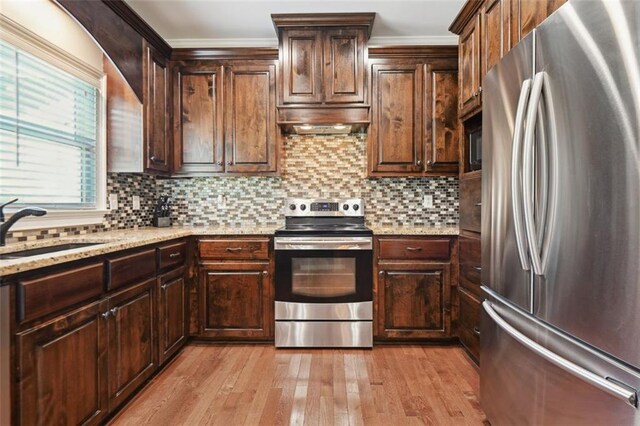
256,384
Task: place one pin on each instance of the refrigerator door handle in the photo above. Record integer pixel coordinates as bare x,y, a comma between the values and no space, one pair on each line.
528,178
620,391
516,187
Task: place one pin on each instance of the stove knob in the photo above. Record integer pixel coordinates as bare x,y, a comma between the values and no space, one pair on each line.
345,207
303,207
356,207
292,206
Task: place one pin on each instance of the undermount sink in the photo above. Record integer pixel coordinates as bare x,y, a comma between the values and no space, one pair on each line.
44,250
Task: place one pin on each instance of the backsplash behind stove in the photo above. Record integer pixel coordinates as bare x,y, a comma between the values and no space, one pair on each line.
313,166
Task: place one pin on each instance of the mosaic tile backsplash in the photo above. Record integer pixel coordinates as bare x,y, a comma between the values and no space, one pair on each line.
313,166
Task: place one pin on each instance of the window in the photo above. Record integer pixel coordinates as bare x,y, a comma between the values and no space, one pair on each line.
49,133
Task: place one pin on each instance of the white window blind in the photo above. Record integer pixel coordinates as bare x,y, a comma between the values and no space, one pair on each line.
48,133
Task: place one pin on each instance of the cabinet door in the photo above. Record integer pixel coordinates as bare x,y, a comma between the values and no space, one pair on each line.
442,124
413,300
172,313
469,67
251,137
131,346
528,14
344,65
469,323
198,137
302,66
395,138
62,370
156,111
235,301
495,33
471,203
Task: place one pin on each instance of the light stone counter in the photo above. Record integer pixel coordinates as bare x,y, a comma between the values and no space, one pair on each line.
415,230
110,241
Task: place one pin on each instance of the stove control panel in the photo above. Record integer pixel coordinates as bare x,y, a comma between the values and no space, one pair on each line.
305,207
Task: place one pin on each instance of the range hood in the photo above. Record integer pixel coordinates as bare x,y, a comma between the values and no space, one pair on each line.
323,129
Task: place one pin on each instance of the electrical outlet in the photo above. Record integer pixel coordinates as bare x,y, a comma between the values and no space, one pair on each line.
135,201
222,200
113,201
428,202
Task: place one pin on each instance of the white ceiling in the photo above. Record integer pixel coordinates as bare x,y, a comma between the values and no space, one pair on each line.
242,23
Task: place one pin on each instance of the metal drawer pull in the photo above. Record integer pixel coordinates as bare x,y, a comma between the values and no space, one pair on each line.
234,249
172,255
114,312
106,314
476,331
622,392
477,268
414,248
163,286
478,204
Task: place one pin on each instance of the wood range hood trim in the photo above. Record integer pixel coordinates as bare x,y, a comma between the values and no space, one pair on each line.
302,20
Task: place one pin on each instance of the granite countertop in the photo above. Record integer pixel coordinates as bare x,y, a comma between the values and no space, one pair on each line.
112,241
109,242
414,230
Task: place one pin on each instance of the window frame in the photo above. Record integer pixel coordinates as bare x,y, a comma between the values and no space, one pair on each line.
23,38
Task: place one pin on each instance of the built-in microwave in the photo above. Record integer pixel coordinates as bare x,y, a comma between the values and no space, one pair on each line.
474,149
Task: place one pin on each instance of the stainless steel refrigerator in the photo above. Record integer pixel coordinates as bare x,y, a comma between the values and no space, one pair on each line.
560,330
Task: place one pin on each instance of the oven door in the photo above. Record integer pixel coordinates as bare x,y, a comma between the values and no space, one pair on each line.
324,270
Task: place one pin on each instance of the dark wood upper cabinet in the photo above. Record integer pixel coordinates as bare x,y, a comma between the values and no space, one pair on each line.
251,131
495,33
414,112
470,67
442,124
48,390
302,66
344,69
528,14
198,137
156,111
395,135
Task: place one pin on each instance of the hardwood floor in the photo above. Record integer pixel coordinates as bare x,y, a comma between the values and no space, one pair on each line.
257,384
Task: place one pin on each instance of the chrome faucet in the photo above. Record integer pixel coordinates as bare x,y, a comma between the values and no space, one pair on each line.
28,211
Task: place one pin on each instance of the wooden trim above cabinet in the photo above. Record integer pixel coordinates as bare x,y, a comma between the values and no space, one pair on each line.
219,53
414,52
468,11
297,20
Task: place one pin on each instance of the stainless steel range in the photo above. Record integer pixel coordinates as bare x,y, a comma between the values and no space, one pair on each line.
324,285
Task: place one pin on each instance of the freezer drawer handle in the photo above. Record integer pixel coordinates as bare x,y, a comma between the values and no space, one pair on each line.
622,392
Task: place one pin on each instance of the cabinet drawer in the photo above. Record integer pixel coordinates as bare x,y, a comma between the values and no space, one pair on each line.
414,248
41,296
131,268
469,323
234,249
172,255
470,203
470,264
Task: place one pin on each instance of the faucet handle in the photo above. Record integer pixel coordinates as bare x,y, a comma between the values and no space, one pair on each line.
3,206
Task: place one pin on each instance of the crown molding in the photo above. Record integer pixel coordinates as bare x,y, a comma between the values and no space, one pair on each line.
448,40
469,10
219,53
443,52
297,20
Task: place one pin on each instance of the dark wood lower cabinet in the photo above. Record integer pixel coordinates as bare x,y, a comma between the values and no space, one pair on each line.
131,355
62,369
469,322
172,313
413,300
235,301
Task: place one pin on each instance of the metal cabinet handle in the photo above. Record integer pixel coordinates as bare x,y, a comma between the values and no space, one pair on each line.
476,331
477,268
265,273
419,162
413,248
106,314
229,163
234,249
219,163
172,255
612,388
478,204
381,273
164,286
429,162
114,312
152,158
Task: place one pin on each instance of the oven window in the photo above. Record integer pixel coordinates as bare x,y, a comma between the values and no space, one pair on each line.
323,277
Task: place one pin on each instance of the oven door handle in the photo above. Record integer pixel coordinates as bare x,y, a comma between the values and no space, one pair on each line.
323,244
